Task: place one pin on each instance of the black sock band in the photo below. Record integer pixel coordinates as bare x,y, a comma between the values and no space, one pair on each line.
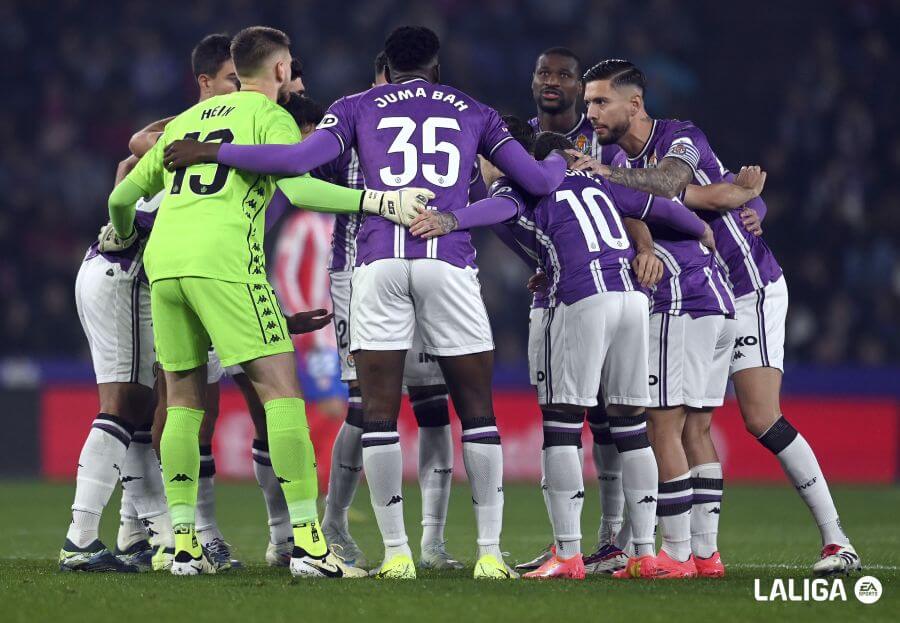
779,436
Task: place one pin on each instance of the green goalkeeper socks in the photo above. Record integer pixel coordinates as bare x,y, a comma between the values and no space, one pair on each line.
294,463
180,457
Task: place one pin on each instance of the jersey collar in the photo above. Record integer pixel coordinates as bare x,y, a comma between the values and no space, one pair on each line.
649,142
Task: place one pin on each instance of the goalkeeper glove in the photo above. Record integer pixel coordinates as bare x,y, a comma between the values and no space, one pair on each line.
110,242
399,206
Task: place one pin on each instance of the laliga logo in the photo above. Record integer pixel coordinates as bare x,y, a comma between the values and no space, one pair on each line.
867,590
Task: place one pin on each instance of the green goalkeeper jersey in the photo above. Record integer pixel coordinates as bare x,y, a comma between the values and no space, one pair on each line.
211,221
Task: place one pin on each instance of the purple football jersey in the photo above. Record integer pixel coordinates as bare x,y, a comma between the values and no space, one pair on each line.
582,244
583,137
747,260
343,171
144,216
521,230
416,134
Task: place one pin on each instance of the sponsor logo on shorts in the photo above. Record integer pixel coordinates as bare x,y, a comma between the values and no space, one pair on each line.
654,380
746,340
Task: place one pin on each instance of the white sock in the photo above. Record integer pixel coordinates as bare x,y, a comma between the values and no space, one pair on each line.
545,491
483,457
435,478
706,480
640,479
612,498
674,512
565,485
280,529
206,526
135,491
623,539
131,530
346,465
99,464
800,464
383,463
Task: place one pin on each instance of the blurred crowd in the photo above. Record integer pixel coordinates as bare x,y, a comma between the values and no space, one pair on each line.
804,90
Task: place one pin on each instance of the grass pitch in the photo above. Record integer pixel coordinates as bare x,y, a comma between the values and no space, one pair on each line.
766,533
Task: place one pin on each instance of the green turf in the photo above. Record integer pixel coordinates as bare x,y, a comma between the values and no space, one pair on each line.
766,533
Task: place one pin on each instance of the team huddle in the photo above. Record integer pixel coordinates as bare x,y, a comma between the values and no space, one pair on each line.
652,287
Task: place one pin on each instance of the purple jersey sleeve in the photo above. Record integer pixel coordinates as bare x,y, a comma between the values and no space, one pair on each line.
285,160
340,120
535,178
494,133
687,143
630,202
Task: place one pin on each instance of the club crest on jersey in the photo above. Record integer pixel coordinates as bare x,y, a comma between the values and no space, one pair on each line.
581,144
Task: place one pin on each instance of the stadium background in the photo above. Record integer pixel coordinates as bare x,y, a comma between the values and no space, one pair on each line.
802,88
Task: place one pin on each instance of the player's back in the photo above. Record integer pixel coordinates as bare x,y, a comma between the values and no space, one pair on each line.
584,246
420,134
211,221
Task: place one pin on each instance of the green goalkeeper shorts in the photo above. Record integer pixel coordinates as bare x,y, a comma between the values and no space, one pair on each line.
242,320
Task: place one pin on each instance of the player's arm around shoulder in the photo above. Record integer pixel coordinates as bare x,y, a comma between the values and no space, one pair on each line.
145,179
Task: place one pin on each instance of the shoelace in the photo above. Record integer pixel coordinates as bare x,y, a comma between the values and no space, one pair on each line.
219,550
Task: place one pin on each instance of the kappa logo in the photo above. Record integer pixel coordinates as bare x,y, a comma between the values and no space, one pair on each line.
578,496
130,478
395,500
746,340
716,510
181,478
282,480
648,499
737,355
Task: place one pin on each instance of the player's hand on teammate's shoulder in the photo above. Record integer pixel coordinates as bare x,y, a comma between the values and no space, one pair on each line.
185,152
583,162
431,224
308,321
398,206
110,242
647,268
753,178
751,221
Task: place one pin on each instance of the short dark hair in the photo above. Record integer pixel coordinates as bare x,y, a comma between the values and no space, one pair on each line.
208,55
304,110
381,62
520,130
619,72
252,46
296,68
411,47
546,142
564,52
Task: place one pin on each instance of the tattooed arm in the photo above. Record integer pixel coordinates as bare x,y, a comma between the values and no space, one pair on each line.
669,179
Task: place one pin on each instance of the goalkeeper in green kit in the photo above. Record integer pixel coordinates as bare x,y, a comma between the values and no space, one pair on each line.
206,267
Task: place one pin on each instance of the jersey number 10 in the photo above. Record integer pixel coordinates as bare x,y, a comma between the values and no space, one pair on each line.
430,145
589,196
199,187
